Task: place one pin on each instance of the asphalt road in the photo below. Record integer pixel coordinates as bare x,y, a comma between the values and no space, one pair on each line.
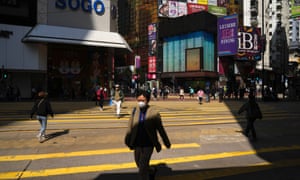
207,142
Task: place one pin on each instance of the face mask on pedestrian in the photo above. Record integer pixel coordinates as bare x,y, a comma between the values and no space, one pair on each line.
141,104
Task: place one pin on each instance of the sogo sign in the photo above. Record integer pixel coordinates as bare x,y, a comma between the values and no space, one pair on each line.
85,5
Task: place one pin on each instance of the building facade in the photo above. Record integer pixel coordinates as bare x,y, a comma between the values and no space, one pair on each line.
168,69
64,47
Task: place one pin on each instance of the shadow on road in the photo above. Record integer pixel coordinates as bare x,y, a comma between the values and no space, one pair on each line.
231,173
56,134
277,144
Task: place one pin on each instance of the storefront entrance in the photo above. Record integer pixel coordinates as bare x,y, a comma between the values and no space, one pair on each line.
74,71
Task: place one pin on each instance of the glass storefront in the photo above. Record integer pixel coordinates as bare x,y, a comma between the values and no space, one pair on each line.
74,71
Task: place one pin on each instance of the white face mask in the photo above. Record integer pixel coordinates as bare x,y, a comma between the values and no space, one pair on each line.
141,104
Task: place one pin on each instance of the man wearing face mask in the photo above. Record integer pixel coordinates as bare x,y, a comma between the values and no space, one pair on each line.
141,136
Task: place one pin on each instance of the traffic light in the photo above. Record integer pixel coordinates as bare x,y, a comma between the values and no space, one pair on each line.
4,75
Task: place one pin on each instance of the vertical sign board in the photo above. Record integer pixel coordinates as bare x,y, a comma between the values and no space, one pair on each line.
152,34
137,62
151,64
227,35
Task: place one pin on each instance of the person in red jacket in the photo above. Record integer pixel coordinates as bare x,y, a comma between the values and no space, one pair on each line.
100,97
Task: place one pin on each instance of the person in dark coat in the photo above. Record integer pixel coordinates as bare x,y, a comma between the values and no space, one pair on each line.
253,112
42,108
142,135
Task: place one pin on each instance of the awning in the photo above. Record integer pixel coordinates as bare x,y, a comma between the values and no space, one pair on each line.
67,35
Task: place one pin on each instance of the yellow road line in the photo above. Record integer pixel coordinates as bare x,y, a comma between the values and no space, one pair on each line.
109,167
230,171
82,153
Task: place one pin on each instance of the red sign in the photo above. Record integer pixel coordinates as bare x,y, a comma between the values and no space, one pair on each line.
193,8
151,64
151,76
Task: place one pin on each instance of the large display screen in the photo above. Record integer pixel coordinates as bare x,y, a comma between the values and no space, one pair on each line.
193,59
189,52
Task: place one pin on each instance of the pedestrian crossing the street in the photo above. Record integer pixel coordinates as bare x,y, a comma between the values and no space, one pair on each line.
89,151
173,114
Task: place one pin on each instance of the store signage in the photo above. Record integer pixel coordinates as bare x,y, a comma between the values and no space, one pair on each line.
249,43
84,5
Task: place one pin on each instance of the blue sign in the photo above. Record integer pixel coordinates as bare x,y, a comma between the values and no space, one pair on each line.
85,5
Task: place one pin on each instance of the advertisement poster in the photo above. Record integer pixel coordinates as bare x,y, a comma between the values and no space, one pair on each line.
227,35
173,9
137,62
182,9
218,11
152,31
178,8
249,43
193,8
151,64
163,8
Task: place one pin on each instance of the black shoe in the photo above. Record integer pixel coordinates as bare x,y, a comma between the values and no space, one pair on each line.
153,173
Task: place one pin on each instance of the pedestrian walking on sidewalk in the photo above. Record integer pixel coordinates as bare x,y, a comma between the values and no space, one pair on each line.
141,136
117,97
42,108
253,112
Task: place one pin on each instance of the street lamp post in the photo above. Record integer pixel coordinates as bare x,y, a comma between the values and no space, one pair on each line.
263,54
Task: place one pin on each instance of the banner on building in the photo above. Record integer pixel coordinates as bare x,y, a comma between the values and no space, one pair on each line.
152,39
193,8
228,35
171,9
137,62
151,64
218,11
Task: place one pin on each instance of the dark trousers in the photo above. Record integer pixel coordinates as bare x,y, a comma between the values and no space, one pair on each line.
100,103
142,156
250,128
